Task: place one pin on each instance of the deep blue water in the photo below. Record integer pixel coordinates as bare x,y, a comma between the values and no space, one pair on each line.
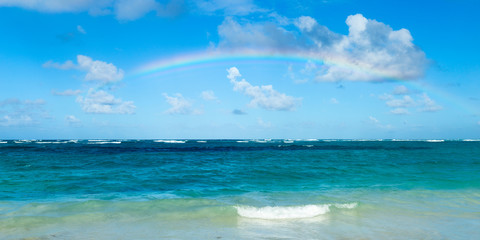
239,189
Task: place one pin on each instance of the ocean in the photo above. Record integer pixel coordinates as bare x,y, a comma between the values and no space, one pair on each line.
239,189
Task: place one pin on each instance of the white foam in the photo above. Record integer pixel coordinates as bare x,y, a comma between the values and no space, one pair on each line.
287,141
106,142
346,205
96,140
242,141
1,142
435,140
201,141
289,212
170,141
471,140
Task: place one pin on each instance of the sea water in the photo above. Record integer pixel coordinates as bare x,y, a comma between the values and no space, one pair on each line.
239,189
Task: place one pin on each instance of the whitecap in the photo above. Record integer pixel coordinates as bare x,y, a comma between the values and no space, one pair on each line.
435,140
282,212
170,141
1,142
201,141
106,142
242,141
287,141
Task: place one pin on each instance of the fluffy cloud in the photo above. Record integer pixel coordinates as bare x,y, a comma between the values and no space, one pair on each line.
372,51
180,105
428,105
400,104
96,70
404,102
16,112
209,95
103,102
262,96
72,120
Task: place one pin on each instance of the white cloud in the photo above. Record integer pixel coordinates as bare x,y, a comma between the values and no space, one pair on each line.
333,101
401,104
428,105
68,92
180,105
262,96
399,111
63,66
404,102
122,9
96,70
81,30
372,51
16,112
103,102
72,120
373,120
134,9
305,23
209,95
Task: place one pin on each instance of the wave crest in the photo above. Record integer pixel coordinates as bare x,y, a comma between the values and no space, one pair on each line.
290,212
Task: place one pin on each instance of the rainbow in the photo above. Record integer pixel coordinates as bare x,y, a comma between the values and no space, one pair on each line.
205,59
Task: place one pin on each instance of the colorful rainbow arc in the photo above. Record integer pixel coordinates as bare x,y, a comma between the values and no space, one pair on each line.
203,59
211,58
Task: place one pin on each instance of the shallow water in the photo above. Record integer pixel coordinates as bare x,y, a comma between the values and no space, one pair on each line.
239,189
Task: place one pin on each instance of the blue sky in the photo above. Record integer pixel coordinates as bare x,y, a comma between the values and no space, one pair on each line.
239,69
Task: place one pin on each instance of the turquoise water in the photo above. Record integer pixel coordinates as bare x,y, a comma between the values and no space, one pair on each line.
239,189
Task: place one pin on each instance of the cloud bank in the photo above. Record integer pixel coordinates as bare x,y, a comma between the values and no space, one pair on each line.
96,70
99,101
16,112
371,51
400,101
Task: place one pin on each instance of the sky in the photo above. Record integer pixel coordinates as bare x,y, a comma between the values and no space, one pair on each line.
231,69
